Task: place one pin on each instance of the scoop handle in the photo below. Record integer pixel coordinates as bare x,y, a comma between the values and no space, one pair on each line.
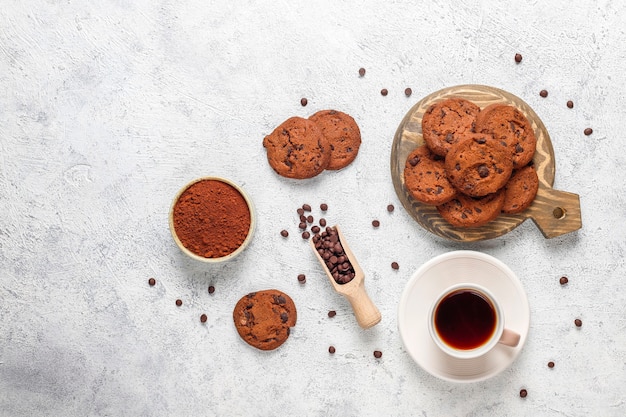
365,311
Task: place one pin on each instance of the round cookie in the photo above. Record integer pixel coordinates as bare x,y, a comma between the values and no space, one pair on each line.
478,165
465,211
425,178
509,125
343,135
263,319
520,190
444,123
297,149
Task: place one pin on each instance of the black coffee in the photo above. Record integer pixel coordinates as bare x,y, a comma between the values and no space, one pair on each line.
465,319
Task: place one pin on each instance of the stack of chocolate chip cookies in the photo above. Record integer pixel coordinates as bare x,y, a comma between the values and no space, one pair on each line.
475,164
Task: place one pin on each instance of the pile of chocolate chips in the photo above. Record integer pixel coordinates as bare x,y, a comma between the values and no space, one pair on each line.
330,249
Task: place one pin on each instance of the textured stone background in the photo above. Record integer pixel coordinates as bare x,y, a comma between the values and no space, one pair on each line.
108,107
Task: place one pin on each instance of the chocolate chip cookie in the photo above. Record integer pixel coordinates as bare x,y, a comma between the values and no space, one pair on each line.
297,148
445,122
520,190
425,177
466,211
478,165
509,125
343,135
264,318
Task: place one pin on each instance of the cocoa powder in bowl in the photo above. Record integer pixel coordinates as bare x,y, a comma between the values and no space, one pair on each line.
212,219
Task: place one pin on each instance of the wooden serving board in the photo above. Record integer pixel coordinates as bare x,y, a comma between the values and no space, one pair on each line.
554,212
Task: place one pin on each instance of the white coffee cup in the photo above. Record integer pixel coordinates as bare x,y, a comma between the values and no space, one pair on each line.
466,322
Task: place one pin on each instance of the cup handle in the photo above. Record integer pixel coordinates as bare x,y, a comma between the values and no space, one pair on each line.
509,338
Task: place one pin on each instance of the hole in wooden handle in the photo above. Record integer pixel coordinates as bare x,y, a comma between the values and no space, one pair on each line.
559,213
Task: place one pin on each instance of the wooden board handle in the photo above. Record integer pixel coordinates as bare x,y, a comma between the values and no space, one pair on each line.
555,212
365,311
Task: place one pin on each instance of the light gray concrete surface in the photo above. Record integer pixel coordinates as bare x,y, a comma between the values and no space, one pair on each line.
108,107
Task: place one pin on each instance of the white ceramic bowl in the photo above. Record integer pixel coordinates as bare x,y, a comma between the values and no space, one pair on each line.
237,251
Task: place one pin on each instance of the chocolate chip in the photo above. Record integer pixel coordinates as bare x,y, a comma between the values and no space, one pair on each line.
152,282
414,161
390,208
306,235
578,322
361,72
203,318
394,265
301,278
481,141
378,354
332,313
211,289
300,211
179,303
323,206
284,233
518,58
483,171
588,131
331,349
315,229
408,92
304,101
302,225
309,219
323,222
306,207
519,148
523,393
543,93
449,138
375,223
284,317
384,92
570,104
563,280
550,364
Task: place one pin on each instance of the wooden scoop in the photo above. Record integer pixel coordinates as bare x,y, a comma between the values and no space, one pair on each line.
366,313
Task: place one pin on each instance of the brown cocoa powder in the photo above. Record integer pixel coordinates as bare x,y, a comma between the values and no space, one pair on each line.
211,218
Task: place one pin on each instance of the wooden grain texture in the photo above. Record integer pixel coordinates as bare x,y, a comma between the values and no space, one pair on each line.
555,213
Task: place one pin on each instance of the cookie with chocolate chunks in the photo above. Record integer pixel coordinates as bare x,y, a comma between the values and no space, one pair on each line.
263,319
425,177
343,135
446,121
466,211
520,190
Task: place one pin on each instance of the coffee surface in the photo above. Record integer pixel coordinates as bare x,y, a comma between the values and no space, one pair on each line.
465,320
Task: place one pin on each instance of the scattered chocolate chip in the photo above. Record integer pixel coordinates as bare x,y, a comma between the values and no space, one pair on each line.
331,349
550,364
394,265
284,233
211,289
523,393
301,278
384,92
152,282
304,101
203,318
378,354
375,223
323,206
179,303
361,72
332,313
300,211
563,280
310,219
390,208
306,207
408,92
302,225
315,229
543,93
518,58
306,235
323,222
570,104
578,322
588,131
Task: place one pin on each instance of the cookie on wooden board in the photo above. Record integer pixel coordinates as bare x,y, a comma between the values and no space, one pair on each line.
343,135
446,121
297,148
425,177
264,318
520,190
466,211
478,165
509,125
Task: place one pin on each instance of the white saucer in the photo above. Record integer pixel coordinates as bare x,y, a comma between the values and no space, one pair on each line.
440,273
